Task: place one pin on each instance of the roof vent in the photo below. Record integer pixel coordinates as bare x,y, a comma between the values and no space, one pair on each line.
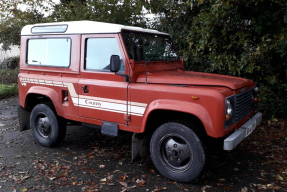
49,29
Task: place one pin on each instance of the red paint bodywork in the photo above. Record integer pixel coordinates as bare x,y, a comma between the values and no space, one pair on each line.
169,87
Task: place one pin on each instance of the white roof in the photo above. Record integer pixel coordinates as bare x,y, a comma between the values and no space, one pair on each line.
84,27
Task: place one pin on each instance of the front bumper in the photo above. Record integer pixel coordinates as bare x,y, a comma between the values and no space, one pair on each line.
244,131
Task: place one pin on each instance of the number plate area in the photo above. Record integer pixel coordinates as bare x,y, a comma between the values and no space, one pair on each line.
235,138
250,128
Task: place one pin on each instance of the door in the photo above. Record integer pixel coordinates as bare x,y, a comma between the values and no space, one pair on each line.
102,94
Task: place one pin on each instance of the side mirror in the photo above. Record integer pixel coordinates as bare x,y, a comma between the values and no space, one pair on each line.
115,63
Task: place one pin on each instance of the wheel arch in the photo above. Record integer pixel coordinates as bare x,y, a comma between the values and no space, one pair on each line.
181,110
38,94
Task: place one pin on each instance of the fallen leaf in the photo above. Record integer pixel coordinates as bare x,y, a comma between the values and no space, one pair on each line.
24,189
227,188
245,189
122,178
51,178
18,156
277,188
101,166
124,184
103,180
109,177
140,182
25,177
15,178
278,177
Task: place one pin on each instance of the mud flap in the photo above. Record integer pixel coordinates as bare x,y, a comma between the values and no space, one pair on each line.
139,146
109,128
24,118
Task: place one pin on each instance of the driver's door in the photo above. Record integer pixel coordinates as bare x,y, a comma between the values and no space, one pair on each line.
102,94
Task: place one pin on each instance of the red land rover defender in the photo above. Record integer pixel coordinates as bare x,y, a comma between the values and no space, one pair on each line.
117,77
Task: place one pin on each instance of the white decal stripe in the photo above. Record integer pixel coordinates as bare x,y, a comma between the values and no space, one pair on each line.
71,89
112,100
110,110
136,109
75,100
102,99
101,108
58,85
104,104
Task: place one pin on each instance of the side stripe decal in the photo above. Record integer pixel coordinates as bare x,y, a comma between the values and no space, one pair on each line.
97,103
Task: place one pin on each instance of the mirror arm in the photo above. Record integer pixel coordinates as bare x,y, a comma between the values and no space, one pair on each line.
123,75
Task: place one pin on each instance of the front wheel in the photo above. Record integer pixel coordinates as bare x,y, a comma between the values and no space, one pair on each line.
47,128
177,152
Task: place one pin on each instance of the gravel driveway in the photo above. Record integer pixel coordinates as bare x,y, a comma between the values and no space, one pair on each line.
89,161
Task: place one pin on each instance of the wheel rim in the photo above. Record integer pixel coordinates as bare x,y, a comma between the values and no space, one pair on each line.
175,153
43,125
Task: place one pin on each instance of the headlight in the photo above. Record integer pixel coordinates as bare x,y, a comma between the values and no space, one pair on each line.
229,109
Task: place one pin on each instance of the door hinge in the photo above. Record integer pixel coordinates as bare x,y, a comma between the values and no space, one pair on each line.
127,117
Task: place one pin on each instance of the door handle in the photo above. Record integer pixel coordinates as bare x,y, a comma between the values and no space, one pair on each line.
85,89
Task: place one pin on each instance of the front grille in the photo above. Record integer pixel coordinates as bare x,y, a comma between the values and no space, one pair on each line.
244,103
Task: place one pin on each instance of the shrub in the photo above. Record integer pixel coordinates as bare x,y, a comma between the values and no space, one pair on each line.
9,76
245,39
10,63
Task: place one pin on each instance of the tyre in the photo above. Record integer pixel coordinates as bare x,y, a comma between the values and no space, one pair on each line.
47,128
177,152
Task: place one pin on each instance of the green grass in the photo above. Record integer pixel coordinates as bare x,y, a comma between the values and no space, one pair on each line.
8,90
8,82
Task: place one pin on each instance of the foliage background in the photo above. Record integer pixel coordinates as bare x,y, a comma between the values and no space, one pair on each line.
9,69
245,38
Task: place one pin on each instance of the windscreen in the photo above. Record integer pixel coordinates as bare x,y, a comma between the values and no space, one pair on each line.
146,46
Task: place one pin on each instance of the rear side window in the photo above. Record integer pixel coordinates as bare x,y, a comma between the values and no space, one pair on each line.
49,52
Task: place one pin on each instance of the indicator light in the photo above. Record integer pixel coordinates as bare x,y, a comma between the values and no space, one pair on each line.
227,117
255,99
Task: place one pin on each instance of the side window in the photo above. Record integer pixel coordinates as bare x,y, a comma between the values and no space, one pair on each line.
49,52
99,52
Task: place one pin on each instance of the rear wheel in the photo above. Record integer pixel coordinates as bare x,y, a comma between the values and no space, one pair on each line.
177,152
47,128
